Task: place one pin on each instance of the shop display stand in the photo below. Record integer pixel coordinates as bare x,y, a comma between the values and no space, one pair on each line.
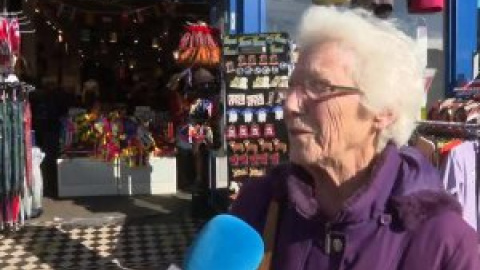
89,177
257,69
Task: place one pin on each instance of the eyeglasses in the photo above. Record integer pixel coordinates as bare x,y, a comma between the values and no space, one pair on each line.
312,92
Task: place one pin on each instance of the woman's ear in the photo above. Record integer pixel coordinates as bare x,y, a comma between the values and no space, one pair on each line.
383,119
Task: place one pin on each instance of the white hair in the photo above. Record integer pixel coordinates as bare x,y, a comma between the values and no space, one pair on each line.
386,67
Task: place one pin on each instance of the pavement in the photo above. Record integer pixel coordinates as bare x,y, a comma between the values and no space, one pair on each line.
115,208
108,232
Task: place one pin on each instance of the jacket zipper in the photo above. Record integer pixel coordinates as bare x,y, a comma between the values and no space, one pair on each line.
328,244
327,241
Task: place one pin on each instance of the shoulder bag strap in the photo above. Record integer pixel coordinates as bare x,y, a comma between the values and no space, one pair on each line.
269,233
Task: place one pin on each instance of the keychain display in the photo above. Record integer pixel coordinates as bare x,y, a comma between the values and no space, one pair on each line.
255,75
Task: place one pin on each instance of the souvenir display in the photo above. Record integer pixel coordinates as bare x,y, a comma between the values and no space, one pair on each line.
256,68
113,136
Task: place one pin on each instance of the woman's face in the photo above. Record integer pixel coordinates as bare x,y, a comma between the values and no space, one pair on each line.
326,122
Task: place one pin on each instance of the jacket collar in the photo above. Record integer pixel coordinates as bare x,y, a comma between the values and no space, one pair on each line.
397,173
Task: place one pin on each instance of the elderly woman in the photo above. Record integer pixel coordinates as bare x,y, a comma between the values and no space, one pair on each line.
354,196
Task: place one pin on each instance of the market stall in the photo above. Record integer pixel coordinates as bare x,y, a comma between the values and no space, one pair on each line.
146,92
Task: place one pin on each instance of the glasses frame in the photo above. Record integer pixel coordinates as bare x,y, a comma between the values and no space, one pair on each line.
305,93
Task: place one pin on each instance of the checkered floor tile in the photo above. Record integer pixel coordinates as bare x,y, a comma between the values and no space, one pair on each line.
104,247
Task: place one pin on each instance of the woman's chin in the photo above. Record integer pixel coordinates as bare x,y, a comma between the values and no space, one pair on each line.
302,157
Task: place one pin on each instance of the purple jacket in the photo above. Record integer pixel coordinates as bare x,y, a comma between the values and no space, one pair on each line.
402,220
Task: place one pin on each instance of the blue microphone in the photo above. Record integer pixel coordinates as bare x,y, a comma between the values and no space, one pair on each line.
225,243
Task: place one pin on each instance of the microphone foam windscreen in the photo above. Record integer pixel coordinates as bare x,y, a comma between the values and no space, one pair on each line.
225,243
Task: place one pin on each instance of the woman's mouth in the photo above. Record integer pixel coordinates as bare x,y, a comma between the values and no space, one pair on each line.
298,131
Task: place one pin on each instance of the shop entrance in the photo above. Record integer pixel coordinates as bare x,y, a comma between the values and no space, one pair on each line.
120,108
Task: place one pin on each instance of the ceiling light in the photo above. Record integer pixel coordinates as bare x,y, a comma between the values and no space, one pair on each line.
113,37
132,64
155,43
175,54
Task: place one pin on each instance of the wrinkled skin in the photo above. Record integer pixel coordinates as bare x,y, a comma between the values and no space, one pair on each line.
333,138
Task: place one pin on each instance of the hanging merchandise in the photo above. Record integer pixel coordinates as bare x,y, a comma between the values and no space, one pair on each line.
113,136
5,46
198,46
256,70
14,37
202,76
200,106
18,180
425,6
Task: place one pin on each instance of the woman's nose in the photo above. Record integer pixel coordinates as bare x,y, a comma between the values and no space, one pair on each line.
293,102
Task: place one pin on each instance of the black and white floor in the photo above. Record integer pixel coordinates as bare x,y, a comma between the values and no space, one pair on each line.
114,246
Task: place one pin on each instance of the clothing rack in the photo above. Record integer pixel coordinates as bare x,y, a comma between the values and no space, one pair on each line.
449,129
20,177
454,148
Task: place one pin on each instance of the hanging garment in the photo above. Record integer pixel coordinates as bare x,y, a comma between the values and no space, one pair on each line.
3,175
15,208
460,179
427,148
444,148
26,204
6,155
27,118
14,37
5,49
37,183
17,146
21,147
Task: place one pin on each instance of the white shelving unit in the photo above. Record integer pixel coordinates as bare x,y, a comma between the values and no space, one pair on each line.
89,177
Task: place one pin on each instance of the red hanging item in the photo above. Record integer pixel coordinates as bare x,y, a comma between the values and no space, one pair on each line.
5,50
14,36
425,6
198,46
27,122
